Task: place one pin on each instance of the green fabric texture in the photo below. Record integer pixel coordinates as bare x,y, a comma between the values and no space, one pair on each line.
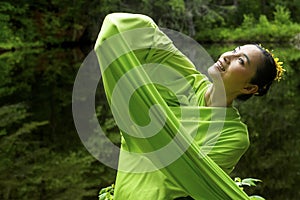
180,147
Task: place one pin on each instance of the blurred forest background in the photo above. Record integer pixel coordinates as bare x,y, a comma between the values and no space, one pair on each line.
42,45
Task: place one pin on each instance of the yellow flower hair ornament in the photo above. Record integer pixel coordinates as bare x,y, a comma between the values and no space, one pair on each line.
279,68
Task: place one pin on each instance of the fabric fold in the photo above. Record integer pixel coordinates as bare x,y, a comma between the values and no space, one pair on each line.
169,139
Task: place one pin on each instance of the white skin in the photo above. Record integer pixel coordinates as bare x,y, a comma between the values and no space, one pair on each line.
231,75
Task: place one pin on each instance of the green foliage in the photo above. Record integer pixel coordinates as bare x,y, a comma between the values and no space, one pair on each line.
16,30
253,7
43,173
210,20
177,6
263,21
107,193
248,22
282,15
40,155
248,182
11,114
6,33
59,23
251,30
255,197
14,150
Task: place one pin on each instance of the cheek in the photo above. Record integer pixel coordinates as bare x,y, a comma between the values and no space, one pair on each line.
238,75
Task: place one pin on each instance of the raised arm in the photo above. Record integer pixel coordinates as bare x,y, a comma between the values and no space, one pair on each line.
118,53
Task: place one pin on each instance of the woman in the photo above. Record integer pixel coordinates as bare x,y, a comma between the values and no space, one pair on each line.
245,71
211,137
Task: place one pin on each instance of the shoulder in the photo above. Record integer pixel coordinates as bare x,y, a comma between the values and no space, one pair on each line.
237,130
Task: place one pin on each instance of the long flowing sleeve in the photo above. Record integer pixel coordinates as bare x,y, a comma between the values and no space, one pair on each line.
144,76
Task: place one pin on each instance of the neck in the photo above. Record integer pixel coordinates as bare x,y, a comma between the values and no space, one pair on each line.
216,96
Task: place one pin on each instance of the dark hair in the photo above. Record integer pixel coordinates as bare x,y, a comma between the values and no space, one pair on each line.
264,76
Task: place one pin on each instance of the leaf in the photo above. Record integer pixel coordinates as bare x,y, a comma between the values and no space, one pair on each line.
256,197
250,181
107,193
102,196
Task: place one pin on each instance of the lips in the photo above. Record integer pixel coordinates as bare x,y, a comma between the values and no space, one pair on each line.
220,66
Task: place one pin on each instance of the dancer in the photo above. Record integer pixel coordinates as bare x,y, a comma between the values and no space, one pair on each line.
200,128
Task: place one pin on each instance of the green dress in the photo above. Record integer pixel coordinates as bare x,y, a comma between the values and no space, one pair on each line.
181,147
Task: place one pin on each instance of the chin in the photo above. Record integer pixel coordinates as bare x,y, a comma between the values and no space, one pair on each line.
214,73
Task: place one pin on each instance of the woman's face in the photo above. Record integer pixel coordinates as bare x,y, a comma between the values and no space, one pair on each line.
236,69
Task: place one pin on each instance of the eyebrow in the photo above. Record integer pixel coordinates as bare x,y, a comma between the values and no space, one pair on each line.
248,60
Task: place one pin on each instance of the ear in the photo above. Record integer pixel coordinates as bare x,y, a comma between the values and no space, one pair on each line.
249,89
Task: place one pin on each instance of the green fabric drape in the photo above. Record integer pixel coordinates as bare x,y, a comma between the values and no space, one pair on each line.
175,149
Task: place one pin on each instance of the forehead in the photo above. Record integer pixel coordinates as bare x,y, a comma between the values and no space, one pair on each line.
251,49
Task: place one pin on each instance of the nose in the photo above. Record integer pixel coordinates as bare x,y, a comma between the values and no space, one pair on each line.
228,57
